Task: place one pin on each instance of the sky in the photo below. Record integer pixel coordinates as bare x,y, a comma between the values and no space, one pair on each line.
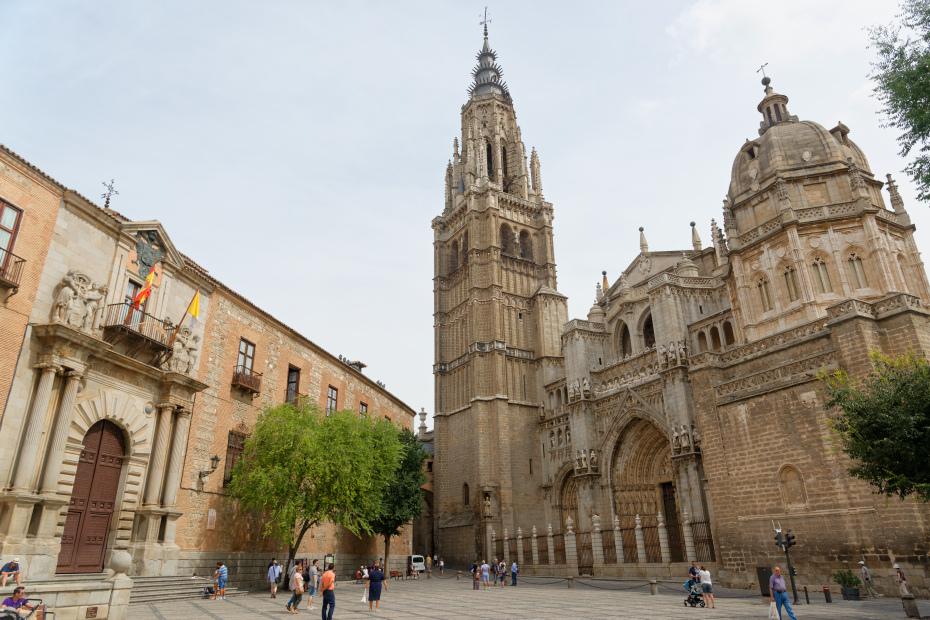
297,150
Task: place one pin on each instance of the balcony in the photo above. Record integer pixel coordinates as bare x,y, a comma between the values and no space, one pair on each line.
247,379
139,331
11,269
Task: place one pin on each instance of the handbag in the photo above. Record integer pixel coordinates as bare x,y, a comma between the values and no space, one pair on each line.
773,611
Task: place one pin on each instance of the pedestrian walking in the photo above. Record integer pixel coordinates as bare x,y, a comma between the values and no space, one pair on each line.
273,574
780,593
707,587
313,581
475,571
866,576
429,565
220,576
514,569
442,565
365,576
375,583
501,573
297,588
328,586
485,574
901,580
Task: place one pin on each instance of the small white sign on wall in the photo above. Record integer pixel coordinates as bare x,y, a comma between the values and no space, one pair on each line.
211,519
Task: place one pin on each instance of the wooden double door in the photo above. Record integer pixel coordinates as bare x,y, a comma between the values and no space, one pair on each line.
93,500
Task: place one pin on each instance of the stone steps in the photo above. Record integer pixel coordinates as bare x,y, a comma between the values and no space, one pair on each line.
159,589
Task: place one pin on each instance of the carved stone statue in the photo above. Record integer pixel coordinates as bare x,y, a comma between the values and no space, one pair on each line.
676,441
662,355
578,461
682,351
184,352
569,525
586,386
695,436
78,301
568,436
685,438
592,459
487,505
584,459
549,530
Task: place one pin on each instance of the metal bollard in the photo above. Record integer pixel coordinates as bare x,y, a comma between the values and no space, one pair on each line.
807,597
653,586
826,594
571,582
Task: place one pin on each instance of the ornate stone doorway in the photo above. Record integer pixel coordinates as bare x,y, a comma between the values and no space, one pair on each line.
643,484
569,502
93,500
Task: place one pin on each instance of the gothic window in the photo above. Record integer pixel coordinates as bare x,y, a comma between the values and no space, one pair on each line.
560,437
792,487
714,338
454,256
504,162
624,340
649,335
765,295
791,283
728,336
506,239
526,245
821,276
464,256
702,342
466,499
856,271
489,153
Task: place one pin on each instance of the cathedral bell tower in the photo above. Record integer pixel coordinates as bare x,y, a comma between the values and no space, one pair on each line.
498,319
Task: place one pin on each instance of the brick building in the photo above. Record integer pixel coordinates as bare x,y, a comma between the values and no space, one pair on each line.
122,425
683,415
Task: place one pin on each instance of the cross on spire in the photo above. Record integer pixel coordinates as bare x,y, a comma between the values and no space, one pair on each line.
762,69
485,21
111,191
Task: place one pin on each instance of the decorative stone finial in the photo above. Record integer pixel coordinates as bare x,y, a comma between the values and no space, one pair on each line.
695,238
616,522
569,525
596,522
534,531
897,203
549,530
643,246
487,72
519,532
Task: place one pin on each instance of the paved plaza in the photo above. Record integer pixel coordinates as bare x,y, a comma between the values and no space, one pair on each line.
542,599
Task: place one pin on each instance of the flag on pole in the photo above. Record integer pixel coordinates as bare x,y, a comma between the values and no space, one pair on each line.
194,308
143,294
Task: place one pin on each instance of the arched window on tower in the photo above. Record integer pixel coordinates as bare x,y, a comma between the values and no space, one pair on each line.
489,153
649,335
454,256
526,245
715,338
504,169
821,276
624,342
791,283
856,271
466,498
765,295
728,336
506,239
702,342
464,256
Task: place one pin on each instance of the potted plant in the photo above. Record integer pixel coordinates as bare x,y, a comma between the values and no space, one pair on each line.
849,584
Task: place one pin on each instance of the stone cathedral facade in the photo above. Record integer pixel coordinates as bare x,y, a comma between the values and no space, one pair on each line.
683,415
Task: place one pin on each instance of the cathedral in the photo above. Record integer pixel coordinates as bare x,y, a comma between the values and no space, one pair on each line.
683,418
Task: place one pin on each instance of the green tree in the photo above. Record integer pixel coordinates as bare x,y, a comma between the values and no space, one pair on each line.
402,499
885,423
300,468
902,77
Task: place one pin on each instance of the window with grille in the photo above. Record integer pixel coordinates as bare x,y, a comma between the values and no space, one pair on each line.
235,445
332,400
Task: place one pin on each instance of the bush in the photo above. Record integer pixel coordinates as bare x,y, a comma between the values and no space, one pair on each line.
846,578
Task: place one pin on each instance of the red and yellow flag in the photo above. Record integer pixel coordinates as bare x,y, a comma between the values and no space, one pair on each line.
143,294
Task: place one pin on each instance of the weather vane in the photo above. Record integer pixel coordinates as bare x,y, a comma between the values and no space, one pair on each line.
485,21
111,191
762,69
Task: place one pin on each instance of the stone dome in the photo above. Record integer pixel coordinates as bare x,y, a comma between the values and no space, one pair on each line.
786,144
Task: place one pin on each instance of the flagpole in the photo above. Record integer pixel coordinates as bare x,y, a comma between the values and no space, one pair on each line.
174,334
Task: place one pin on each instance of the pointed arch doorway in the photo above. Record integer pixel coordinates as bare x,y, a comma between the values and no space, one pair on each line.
93,500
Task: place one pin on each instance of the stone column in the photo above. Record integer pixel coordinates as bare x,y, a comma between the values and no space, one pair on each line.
571,548
618,541
597,543
519,547
551,542
56,449
29,448
640,542
158,455
489,537
506,551
688,535
176,459
534,546
663,538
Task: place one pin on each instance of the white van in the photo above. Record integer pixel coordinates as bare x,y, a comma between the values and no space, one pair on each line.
416,562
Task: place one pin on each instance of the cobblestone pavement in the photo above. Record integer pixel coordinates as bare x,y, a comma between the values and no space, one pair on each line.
542,599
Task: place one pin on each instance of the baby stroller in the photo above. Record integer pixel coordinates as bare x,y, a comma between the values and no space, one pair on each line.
695,594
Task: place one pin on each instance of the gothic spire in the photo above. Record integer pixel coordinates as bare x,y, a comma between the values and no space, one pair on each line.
643,246
487,73
695,238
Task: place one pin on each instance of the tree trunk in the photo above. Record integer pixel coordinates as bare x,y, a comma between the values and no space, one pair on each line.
292,551
387,554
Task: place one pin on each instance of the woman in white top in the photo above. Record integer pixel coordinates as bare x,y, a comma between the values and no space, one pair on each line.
366,582
706,586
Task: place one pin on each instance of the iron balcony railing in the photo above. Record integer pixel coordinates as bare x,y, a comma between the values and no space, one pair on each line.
11,269
247,379
124,318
